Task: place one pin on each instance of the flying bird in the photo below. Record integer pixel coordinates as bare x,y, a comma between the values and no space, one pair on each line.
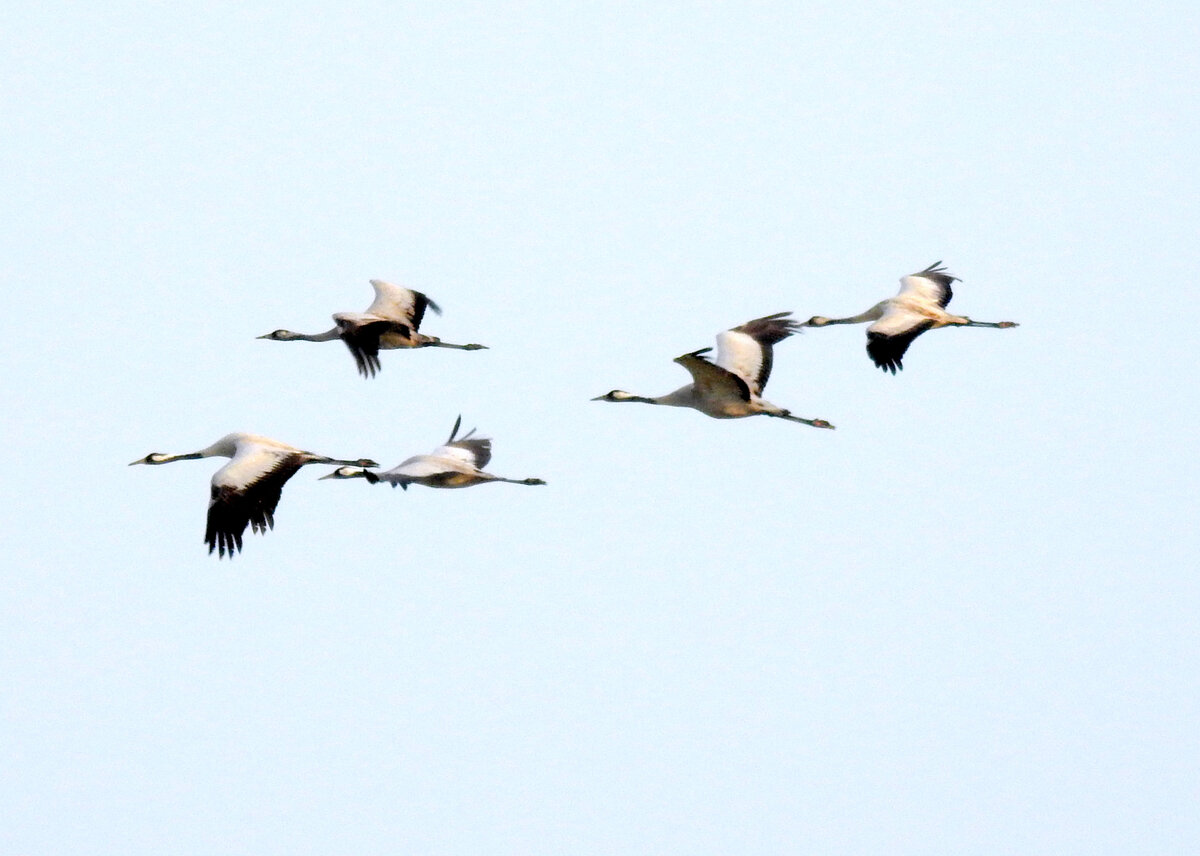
457,463
246,490
731,387
919,306
391,321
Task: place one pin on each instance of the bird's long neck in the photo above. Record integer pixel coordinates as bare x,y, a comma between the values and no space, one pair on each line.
685,396
361,462
327,336
679,398
189,456
872,314
640,399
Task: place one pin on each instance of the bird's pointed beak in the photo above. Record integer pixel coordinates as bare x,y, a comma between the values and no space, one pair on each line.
264,336
332,475
148,459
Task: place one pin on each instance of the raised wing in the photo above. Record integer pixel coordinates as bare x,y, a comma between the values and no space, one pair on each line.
400,304
712,380
889,337
932,284
747,351
476,451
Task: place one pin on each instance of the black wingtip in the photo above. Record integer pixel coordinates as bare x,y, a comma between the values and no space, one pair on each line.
937,268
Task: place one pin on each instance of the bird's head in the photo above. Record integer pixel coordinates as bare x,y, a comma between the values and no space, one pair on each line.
347,473
152,458
280,336
616,395
160,458
816,321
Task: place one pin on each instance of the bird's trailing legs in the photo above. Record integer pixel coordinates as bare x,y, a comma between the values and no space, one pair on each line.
785,414
438,343
1002,325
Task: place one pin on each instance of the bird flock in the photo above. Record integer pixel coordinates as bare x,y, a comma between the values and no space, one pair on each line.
246,491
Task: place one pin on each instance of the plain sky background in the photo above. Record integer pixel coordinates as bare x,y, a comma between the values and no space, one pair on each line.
965,622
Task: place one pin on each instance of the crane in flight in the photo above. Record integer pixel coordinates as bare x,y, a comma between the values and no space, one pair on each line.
391,321
731,386
919,306
456,463
246,491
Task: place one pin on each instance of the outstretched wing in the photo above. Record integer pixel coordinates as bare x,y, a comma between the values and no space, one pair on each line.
747,351
932,284
712,380
400,304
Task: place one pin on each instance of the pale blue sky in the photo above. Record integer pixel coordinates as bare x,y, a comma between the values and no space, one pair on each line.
965,622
